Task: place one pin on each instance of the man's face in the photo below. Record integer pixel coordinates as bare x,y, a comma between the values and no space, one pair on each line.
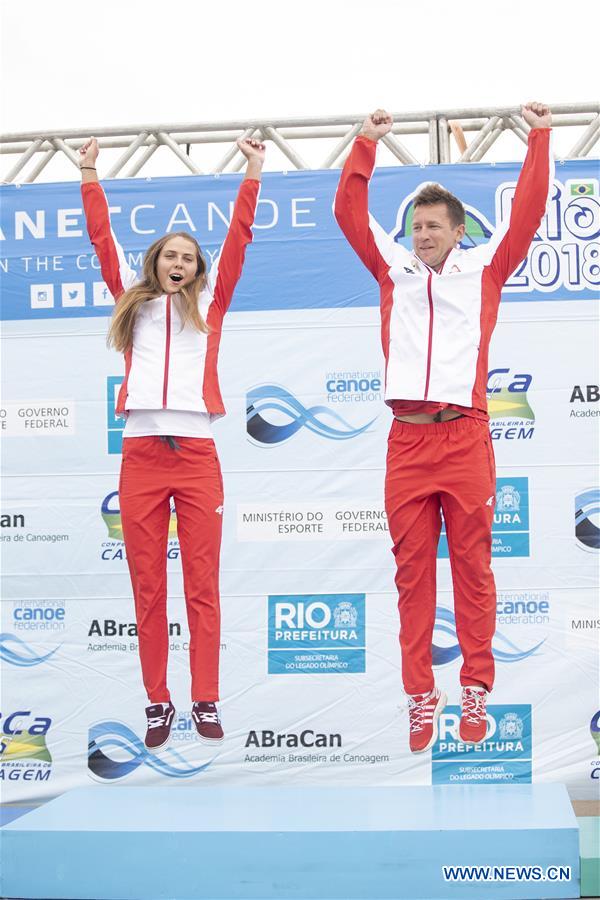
434,235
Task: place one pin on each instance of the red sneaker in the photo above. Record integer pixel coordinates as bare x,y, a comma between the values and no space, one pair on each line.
473,722
423,713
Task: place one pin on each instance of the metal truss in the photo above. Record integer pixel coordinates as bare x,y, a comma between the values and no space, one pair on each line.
445,130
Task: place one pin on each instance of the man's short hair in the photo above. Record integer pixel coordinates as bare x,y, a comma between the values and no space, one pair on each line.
435,193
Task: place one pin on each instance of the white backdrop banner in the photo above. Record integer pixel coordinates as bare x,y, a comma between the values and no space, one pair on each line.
310,665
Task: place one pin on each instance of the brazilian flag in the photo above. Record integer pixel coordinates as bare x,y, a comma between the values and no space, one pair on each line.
582,189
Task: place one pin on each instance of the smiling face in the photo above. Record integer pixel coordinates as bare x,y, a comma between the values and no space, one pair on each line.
434,234
177,264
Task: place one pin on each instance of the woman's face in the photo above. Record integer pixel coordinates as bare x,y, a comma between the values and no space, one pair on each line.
176,265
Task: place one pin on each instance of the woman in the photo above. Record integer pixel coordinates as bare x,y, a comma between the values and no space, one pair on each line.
168,324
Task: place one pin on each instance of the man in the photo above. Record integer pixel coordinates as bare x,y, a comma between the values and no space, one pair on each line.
439,306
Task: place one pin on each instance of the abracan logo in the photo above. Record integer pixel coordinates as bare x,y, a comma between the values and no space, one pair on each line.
511,416
274,415
24,754
478,230
587,518
115,751
320,633
503,757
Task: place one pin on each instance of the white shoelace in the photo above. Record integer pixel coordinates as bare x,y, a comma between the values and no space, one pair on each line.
157,721
209,717
416,712
473,705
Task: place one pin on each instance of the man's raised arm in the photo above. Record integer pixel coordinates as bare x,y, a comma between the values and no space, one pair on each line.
531,194
352,198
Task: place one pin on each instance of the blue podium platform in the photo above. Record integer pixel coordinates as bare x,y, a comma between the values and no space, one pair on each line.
112,843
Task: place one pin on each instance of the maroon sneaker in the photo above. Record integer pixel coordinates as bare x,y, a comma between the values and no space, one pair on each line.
207,722
159,717
473,721
423,714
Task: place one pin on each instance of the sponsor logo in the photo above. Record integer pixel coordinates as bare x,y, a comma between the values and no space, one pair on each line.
443,653
38,615
595,733
115,751
503,757
310,521
587,518
24,754
565,250
114,424
510,525
595,730
12,520
48,418
114,548
581,400
353,387
306,738
320,633
511,416
17,652
523,608
274,415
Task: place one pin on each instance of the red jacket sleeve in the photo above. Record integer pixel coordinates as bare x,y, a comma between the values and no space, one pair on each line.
115,270
351,208
529,205
227,269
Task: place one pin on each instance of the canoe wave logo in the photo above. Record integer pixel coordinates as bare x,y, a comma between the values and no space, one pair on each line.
503,649
17,652
274,415
114,751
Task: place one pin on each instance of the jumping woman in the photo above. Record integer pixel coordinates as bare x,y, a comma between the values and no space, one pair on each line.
168,323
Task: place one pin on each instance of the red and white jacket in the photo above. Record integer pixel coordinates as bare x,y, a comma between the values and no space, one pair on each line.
436,327
170,367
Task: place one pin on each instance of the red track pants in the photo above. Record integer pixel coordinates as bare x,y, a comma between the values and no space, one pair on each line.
151,473
449,467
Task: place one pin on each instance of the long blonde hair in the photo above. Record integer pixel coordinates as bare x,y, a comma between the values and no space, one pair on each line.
120,335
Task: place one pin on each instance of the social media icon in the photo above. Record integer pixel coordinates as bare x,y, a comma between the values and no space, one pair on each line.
41,296
73,294
101,294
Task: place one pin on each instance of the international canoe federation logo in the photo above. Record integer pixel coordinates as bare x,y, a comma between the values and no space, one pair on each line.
478,230
587,518
111,514
508,499
504,650
115,751
510,727
17,652
595,730
274,415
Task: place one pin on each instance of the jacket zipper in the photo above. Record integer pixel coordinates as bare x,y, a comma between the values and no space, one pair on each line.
167,349
430,297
